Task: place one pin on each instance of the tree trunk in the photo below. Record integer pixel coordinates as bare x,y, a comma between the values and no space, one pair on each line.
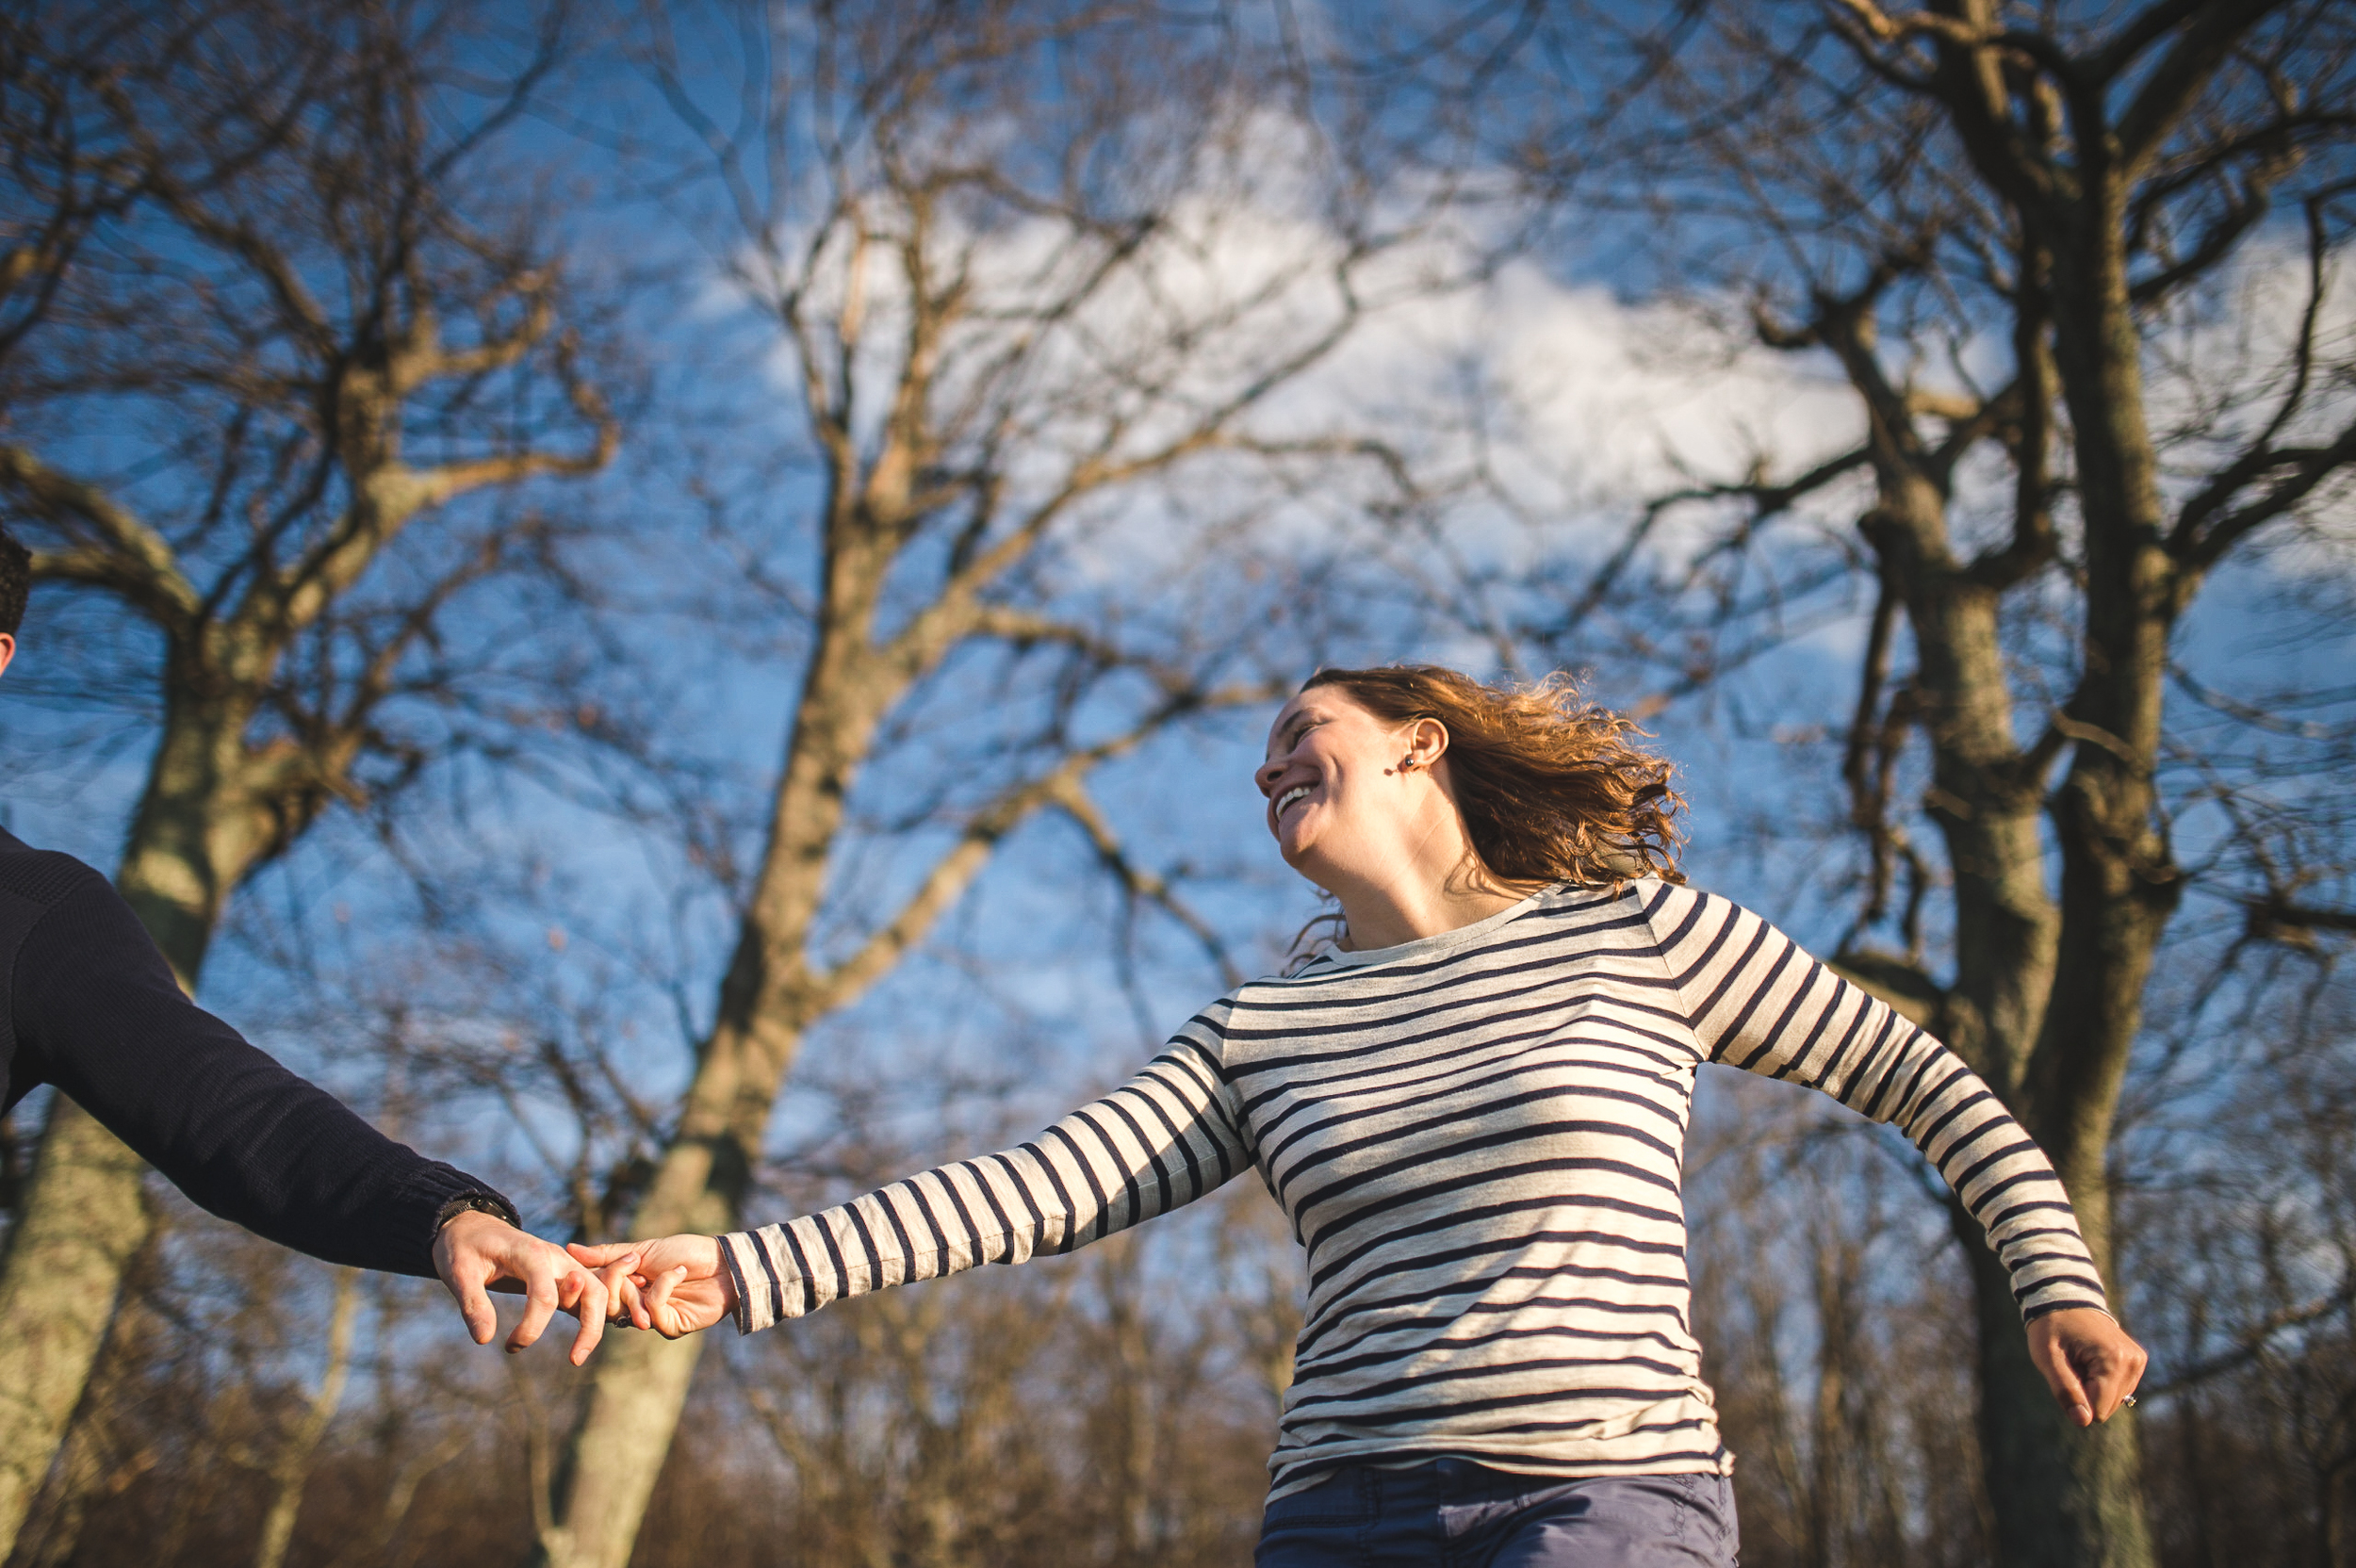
290,1467
81,1222
93,1464
767,1000
2018,1008
629,1417
639,1383
2066,1495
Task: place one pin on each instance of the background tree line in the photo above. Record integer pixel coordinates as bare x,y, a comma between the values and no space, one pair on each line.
686,593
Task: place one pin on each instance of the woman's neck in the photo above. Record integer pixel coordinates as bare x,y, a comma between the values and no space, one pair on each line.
1418,876
1414,908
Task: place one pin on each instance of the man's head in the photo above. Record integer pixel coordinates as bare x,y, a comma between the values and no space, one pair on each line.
16,581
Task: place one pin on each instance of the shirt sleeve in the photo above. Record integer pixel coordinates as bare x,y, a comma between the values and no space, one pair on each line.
1757,1001
97,1007
1164,1139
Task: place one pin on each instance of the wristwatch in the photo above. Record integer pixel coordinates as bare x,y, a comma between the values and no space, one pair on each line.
477,1203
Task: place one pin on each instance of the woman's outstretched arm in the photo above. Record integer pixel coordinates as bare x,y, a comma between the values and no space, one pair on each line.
1757,1001
1164,1139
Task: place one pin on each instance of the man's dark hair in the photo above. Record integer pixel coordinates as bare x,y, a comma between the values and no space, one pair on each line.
16,580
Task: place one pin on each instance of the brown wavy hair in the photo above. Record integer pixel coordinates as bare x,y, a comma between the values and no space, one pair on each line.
1553,786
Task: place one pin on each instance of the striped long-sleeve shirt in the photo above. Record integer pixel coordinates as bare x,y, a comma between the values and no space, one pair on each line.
1477,1139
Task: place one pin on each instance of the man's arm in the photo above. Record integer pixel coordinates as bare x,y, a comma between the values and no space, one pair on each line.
97,1012
242,1137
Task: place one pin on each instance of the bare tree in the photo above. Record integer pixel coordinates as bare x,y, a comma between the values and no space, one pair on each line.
2006,226
302,326
1027,267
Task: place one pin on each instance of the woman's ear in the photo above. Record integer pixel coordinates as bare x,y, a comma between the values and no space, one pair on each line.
1427,742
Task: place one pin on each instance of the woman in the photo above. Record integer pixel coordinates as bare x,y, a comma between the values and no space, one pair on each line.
1472,1107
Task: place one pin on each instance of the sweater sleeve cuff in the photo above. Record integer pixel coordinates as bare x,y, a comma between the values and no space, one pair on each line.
756,1309
429,1199
2030,1315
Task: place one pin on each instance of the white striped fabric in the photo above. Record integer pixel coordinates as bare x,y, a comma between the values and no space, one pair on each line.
1477,1139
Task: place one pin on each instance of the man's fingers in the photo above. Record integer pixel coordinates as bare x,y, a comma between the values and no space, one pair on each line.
540,1301
667,1318
588,1304
602,1253
464,1268
465,1280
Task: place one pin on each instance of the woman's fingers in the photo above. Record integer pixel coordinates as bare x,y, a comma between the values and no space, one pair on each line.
2062,1378
2088,1362
2115,1372
641,1281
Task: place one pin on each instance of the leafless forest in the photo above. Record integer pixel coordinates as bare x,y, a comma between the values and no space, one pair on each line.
678,598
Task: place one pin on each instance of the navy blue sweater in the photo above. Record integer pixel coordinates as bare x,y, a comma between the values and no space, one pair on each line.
88,1003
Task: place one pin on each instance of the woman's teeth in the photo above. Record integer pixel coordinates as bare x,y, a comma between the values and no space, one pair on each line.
1285,801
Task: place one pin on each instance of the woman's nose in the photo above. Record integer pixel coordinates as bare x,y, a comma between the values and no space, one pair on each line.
1269,772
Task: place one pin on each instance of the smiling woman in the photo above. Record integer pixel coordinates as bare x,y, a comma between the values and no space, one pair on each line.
1493,791
1472,1108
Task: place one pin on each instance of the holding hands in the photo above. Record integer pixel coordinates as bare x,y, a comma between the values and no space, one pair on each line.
476,1251
676,1286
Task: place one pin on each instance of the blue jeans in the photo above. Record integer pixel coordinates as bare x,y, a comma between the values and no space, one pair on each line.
1454,1513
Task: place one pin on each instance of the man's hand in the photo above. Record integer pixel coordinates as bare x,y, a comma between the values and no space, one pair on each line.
475,1250
676,1286
2088,1362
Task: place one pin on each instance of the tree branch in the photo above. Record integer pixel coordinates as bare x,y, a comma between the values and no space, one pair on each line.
1141,882
137,563
394,493
2254,1342
2279,918
950,875
2198,549
2206,43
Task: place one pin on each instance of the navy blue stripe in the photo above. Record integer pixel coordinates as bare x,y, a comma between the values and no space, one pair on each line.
769,1267
801,1266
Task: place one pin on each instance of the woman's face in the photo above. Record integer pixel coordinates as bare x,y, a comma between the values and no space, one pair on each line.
1336,794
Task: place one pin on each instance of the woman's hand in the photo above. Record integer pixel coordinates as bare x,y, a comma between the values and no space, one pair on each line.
2088,1362
676,1286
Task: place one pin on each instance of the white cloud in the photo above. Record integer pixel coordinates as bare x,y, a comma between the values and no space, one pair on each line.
1577,403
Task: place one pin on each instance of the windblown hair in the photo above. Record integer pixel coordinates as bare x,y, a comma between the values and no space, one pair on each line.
1554,786
16,581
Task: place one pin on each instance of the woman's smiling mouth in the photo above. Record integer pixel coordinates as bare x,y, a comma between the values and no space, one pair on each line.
1291,798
